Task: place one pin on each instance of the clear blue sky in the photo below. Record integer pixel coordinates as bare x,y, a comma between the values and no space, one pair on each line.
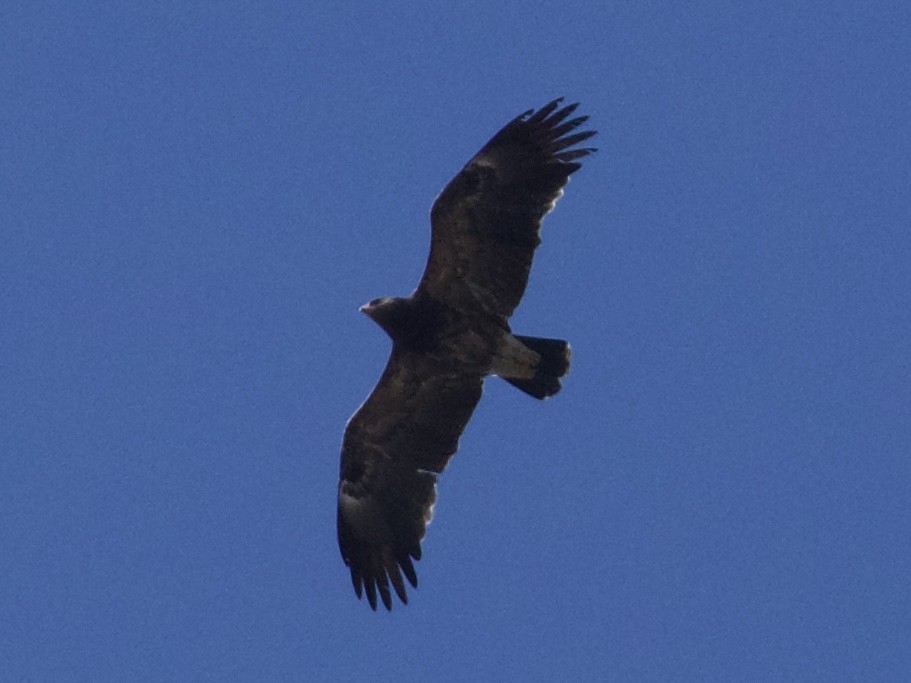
195,201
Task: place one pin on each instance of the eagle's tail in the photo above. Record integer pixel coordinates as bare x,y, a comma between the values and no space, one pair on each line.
553,365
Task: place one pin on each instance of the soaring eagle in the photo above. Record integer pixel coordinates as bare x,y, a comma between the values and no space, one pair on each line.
447,337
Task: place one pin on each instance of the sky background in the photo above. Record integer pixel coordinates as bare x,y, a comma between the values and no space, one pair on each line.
196,198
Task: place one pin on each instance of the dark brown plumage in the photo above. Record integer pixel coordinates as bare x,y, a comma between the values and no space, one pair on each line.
447,337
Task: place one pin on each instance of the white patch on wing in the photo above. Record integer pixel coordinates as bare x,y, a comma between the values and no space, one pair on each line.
553,202
484,160
428,515
361,514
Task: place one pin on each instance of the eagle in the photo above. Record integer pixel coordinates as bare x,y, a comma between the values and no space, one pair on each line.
451,333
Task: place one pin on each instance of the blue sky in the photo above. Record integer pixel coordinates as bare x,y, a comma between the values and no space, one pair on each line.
196,199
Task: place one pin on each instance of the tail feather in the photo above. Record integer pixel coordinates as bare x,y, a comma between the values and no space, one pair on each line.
553,365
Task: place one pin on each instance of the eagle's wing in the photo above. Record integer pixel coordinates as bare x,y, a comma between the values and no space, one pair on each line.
486,221
395,444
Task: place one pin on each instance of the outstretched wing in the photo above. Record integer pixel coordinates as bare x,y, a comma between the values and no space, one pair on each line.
486,222
394,446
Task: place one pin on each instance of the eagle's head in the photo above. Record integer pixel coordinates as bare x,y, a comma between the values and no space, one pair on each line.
389,312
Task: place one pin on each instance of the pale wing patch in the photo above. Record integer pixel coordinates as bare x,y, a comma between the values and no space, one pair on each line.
553,203
361,514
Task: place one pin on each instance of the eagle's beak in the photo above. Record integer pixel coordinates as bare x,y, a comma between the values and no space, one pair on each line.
370,306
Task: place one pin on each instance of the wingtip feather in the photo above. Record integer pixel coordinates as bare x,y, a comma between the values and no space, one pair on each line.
550,128
545,111
371,592
410,574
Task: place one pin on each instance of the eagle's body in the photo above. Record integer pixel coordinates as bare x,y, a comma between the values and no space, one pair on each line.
447,337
